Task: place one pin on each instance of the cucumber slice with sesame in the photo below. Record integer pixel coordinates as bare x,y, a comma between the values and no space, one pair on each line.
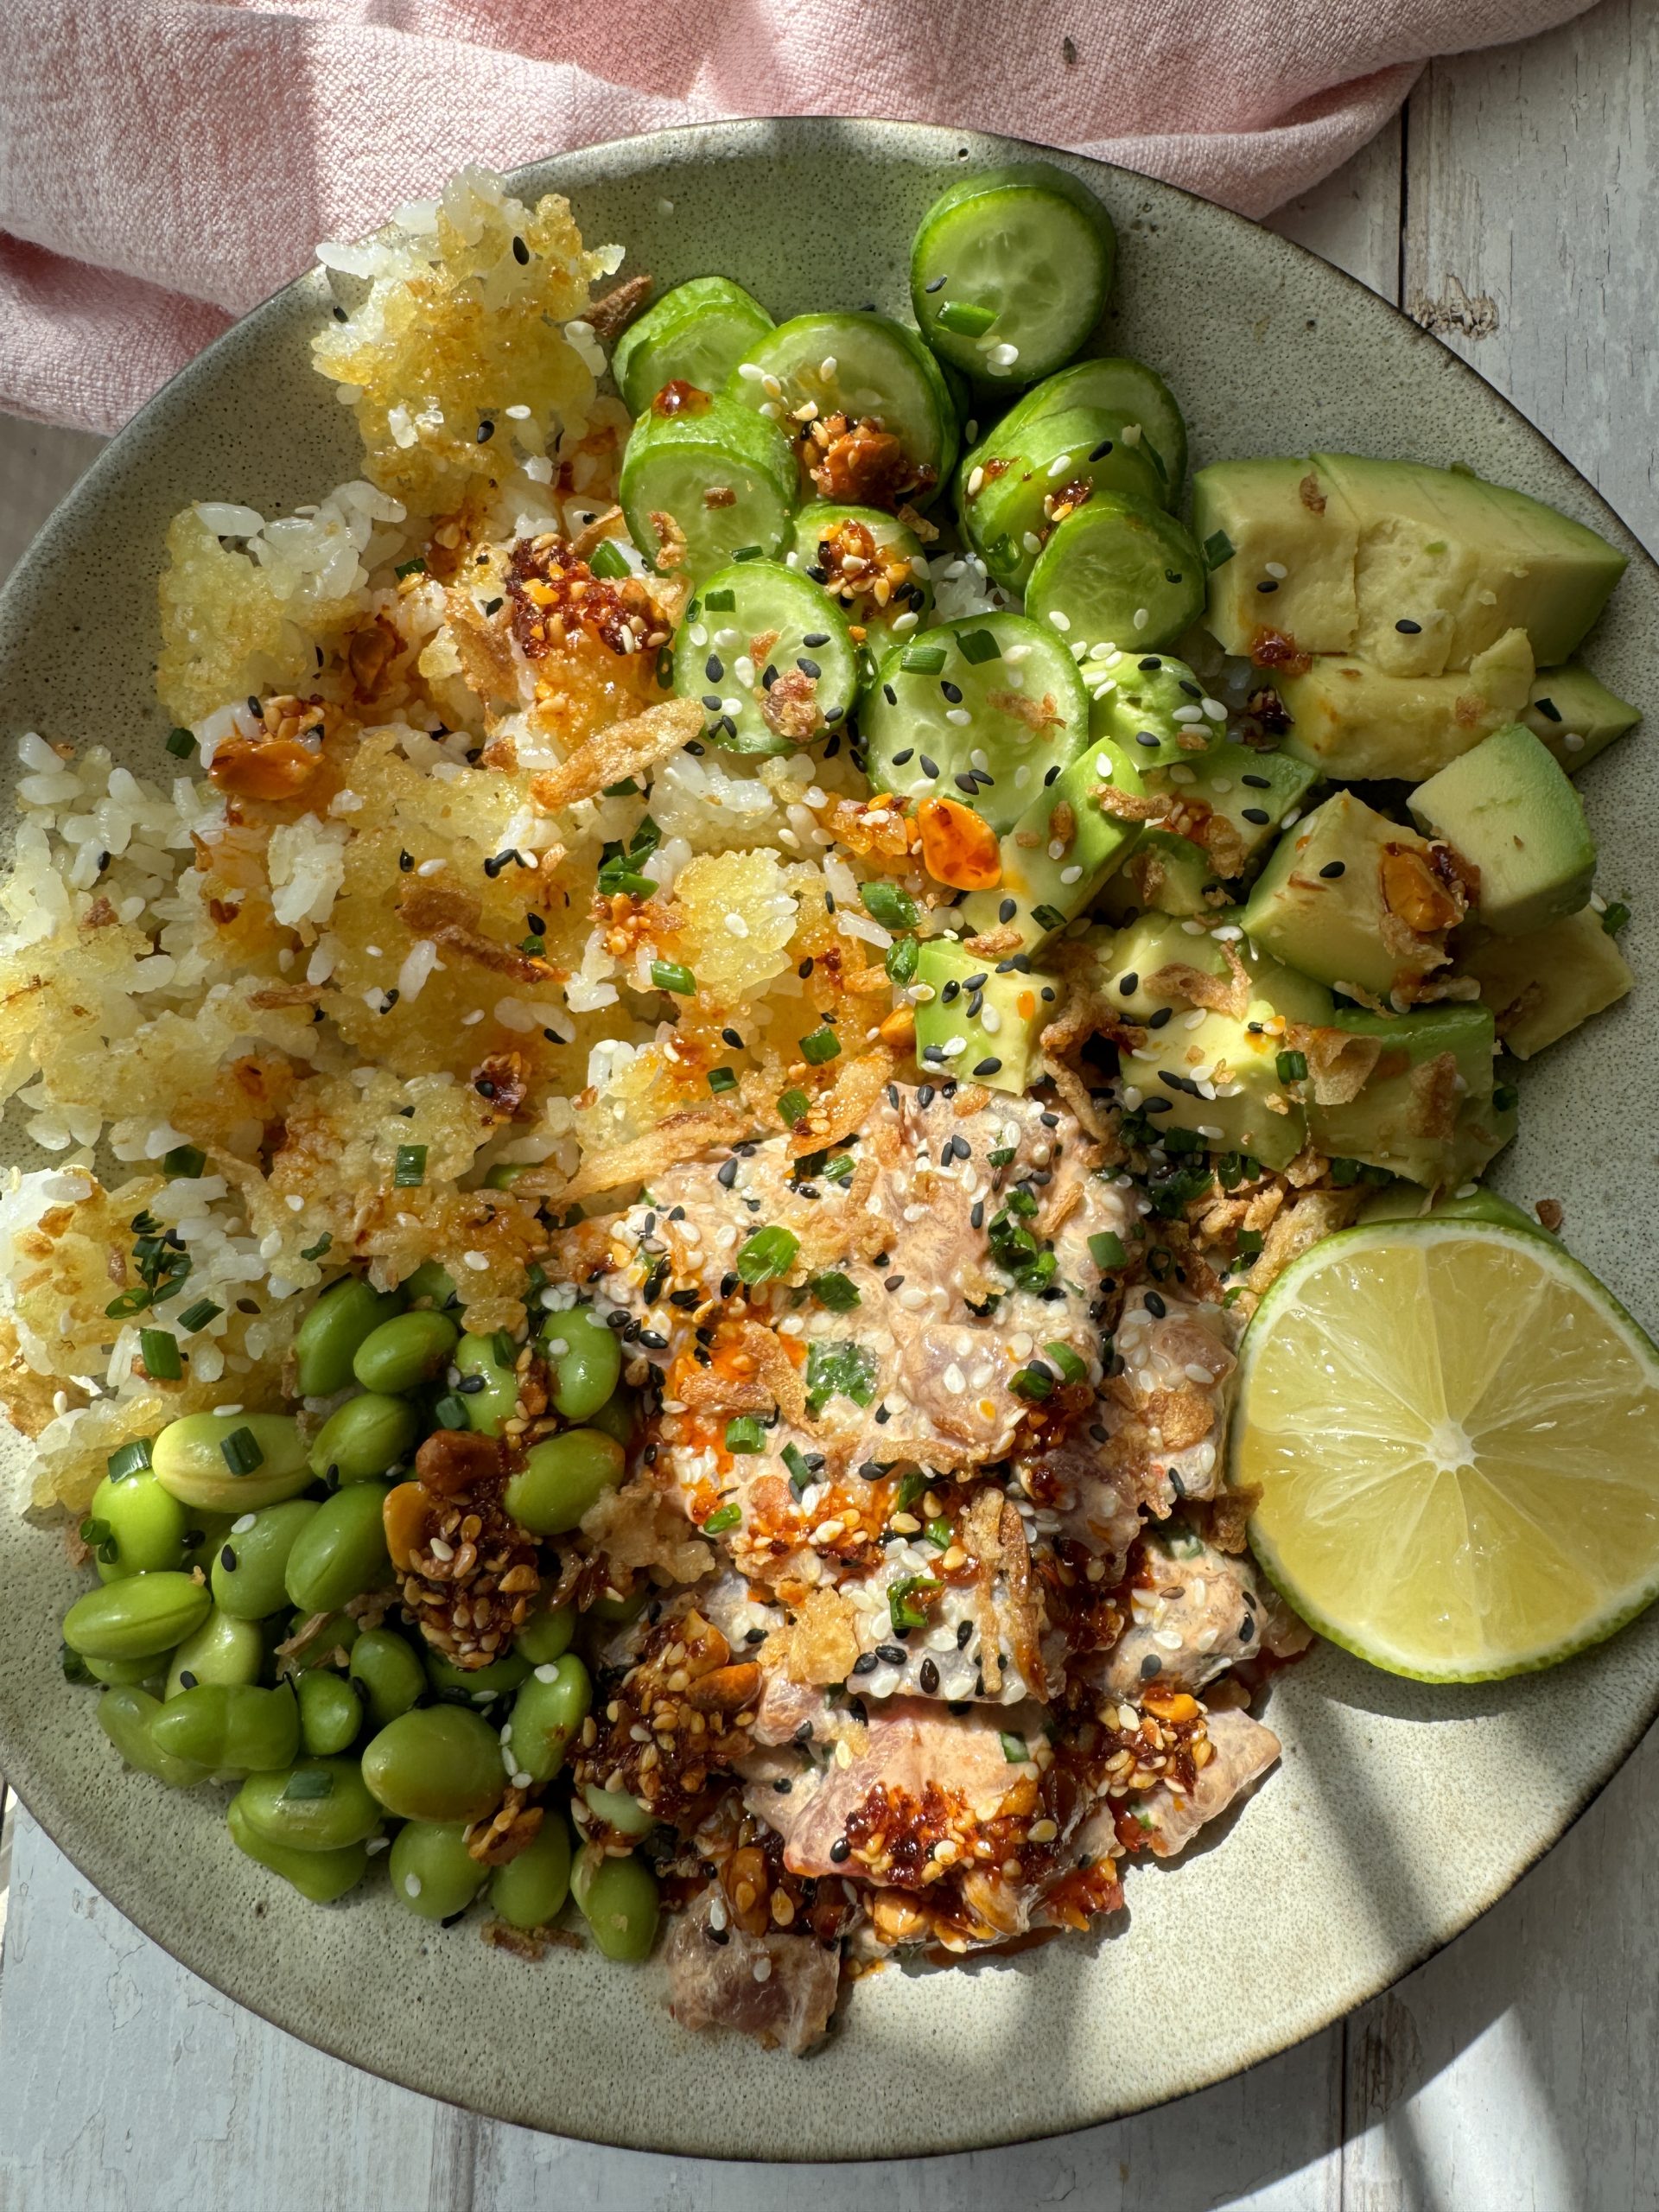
871,563
976,710
1118,572
1151,704
1010,270
768,656
701,483
696,334
1119,386
875,373
1011,490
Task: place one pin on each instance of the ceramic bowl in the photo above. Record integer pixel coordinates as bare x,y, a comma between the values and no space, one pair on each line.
1400,1811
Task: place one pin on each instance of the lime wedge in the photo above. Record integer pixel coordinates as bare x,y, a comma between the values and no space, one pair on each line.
1454,1428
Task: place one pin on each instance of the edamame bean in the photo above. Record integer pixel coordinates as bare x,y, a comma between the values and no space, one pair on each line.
318,1805
125,1671
500,1676
223,1650
616,1417
586,1359
125,1716
546,1714
403,1353
619,1809
250,1565
530,1890
322,1876
187,1460
562,1478
143,1525
364,1438
487,1408
327,1338
617,1899
546,1636
342,1550
431,1870
231,1730
439,1763
331,1645
139,1615
391,1675
331,1713
429,1281
506,1174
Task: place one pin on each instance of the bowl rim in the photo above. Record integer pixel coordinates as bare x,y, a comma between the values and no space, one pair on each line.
563,172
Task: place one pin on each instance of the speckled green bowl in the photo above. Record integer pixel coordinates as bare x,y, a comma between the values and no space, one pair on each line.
1400,1811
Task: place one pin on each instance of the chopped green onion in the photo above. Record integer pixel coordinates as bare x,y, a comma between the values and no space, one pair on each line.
727,1516
794,1106
923,660
128,1460
769,1252
670,976
180,743
840,1169
242,1451
198,1316
1291,1066
801,1476
965,318
1106,1249
1049,917
607,559
823,1044
720,600
886,903
838,1292
940,1533
159,1350
1218,549
613,878
1072,1370
907,1601
978,645
745,1434
450,1411
1505,1097
747,553
1033,1382
1615,918
721,1079
309,1781
1344,1172
910,1487
1001,1155
129,1302
96,1532
184,1161
1249,1243
415,567
844,1367
903,955
408,1169
1014,1750
626,789
317,1251
505,1352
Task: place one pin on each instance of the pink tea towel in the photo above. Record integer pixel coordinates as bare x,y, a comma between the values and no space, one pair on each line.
165,163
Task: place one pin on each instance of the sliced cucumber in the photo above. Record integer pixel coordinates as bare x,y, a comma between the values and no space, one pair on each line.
696,334
1123,387
871,370
1009,489
1061,851
801,686
1118,572
977,710
1010,270
720,477
1152,705
1250,792
869,561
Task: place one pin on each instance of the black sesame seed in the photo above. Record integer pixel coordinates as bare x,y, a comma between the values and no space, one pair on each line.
1408,628
1129,985
952,692
890,695
928,1676
1051,774
1164,1014
713,702
808,667
186,1680
405,861
1151,1665
1147,737
938,285
1332,869
1155,1305
1257,814
227,1558
805,967
725,1173
730,1037
520,251
1268,583
840,1849
866,1663
1100,452
900,758
989,1065
1006,910
486,432
895,1654
930,768
1257,782
965,782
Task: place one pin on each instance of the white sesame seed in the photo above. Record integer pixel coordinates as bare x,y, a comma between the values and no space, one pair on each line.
1276,568
1003,356
240,1528
1141,618
1070,874
974,483
412,1885
1060,621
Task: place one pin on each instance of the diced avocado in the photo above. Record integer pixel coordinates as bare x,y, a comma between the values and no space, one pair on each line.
1431,1068
1150,705
1541,986
1352,899
1049,888
979,1024
1281,545
1351,721
1458,561
1575,714
1170,875
1132,959
1231,801
1508,809
1410,1202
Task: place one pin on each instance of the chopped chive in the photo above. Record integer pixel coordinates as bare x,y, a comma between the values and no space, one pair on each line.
626,789
242,1451
722,1080
184,1161
835,1291
1014,1750
504,1349
978,645
159,1350
965,319
1106,1249
840,1169
922,660
317,1251
1505,1097
907,1601
1000,1155
196,1316
1072,1370
450,1411
910,1487
823,1044
1033,1382
670,976
1344,1171
745,553
794,1106
1615,918
180,743
720,600
770,1252
1250,1241
940,1533
129,1460
745,1434
886,903
96,1532
1218,549
415,567
408,1169
727,1516
801,1476
1292,1066
903,956
129,1302
608,559
1049,917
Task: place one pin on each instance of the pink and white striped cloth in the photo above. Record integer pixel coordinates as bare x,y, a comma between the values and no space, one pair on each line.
165,163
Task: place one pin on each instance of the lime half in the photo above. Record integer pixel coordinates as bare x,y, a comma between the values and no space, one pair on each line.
1455,1432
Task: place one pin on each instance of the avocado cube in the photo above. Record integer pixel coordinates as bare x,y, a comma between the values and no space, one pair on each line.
1352,721
1166,874
1060,850
1345,897
1508,809
980,1026
1131,960
1431,1067
1231,801
1575,714
1147,707
1447,562
1542,985
1280,543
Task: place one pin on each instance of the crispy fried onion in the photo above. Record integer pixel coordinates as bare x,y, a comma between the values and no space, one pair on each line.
995,1538
1228,994
611,755
1314,1214
764,1376
846,1106
1127,806
821,1644
637,1527
450,918
678,1137
1339,1065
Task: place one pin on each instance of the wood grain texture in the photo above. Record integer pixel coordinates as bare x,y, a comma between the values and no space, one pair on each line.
1352,219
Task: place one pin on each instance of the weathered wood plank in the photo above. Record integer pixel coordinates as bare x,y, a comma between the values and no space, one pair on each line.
1352,219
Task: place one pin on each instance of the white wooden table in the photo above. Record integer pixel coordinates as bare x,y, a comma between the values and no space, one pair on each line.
1514,211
